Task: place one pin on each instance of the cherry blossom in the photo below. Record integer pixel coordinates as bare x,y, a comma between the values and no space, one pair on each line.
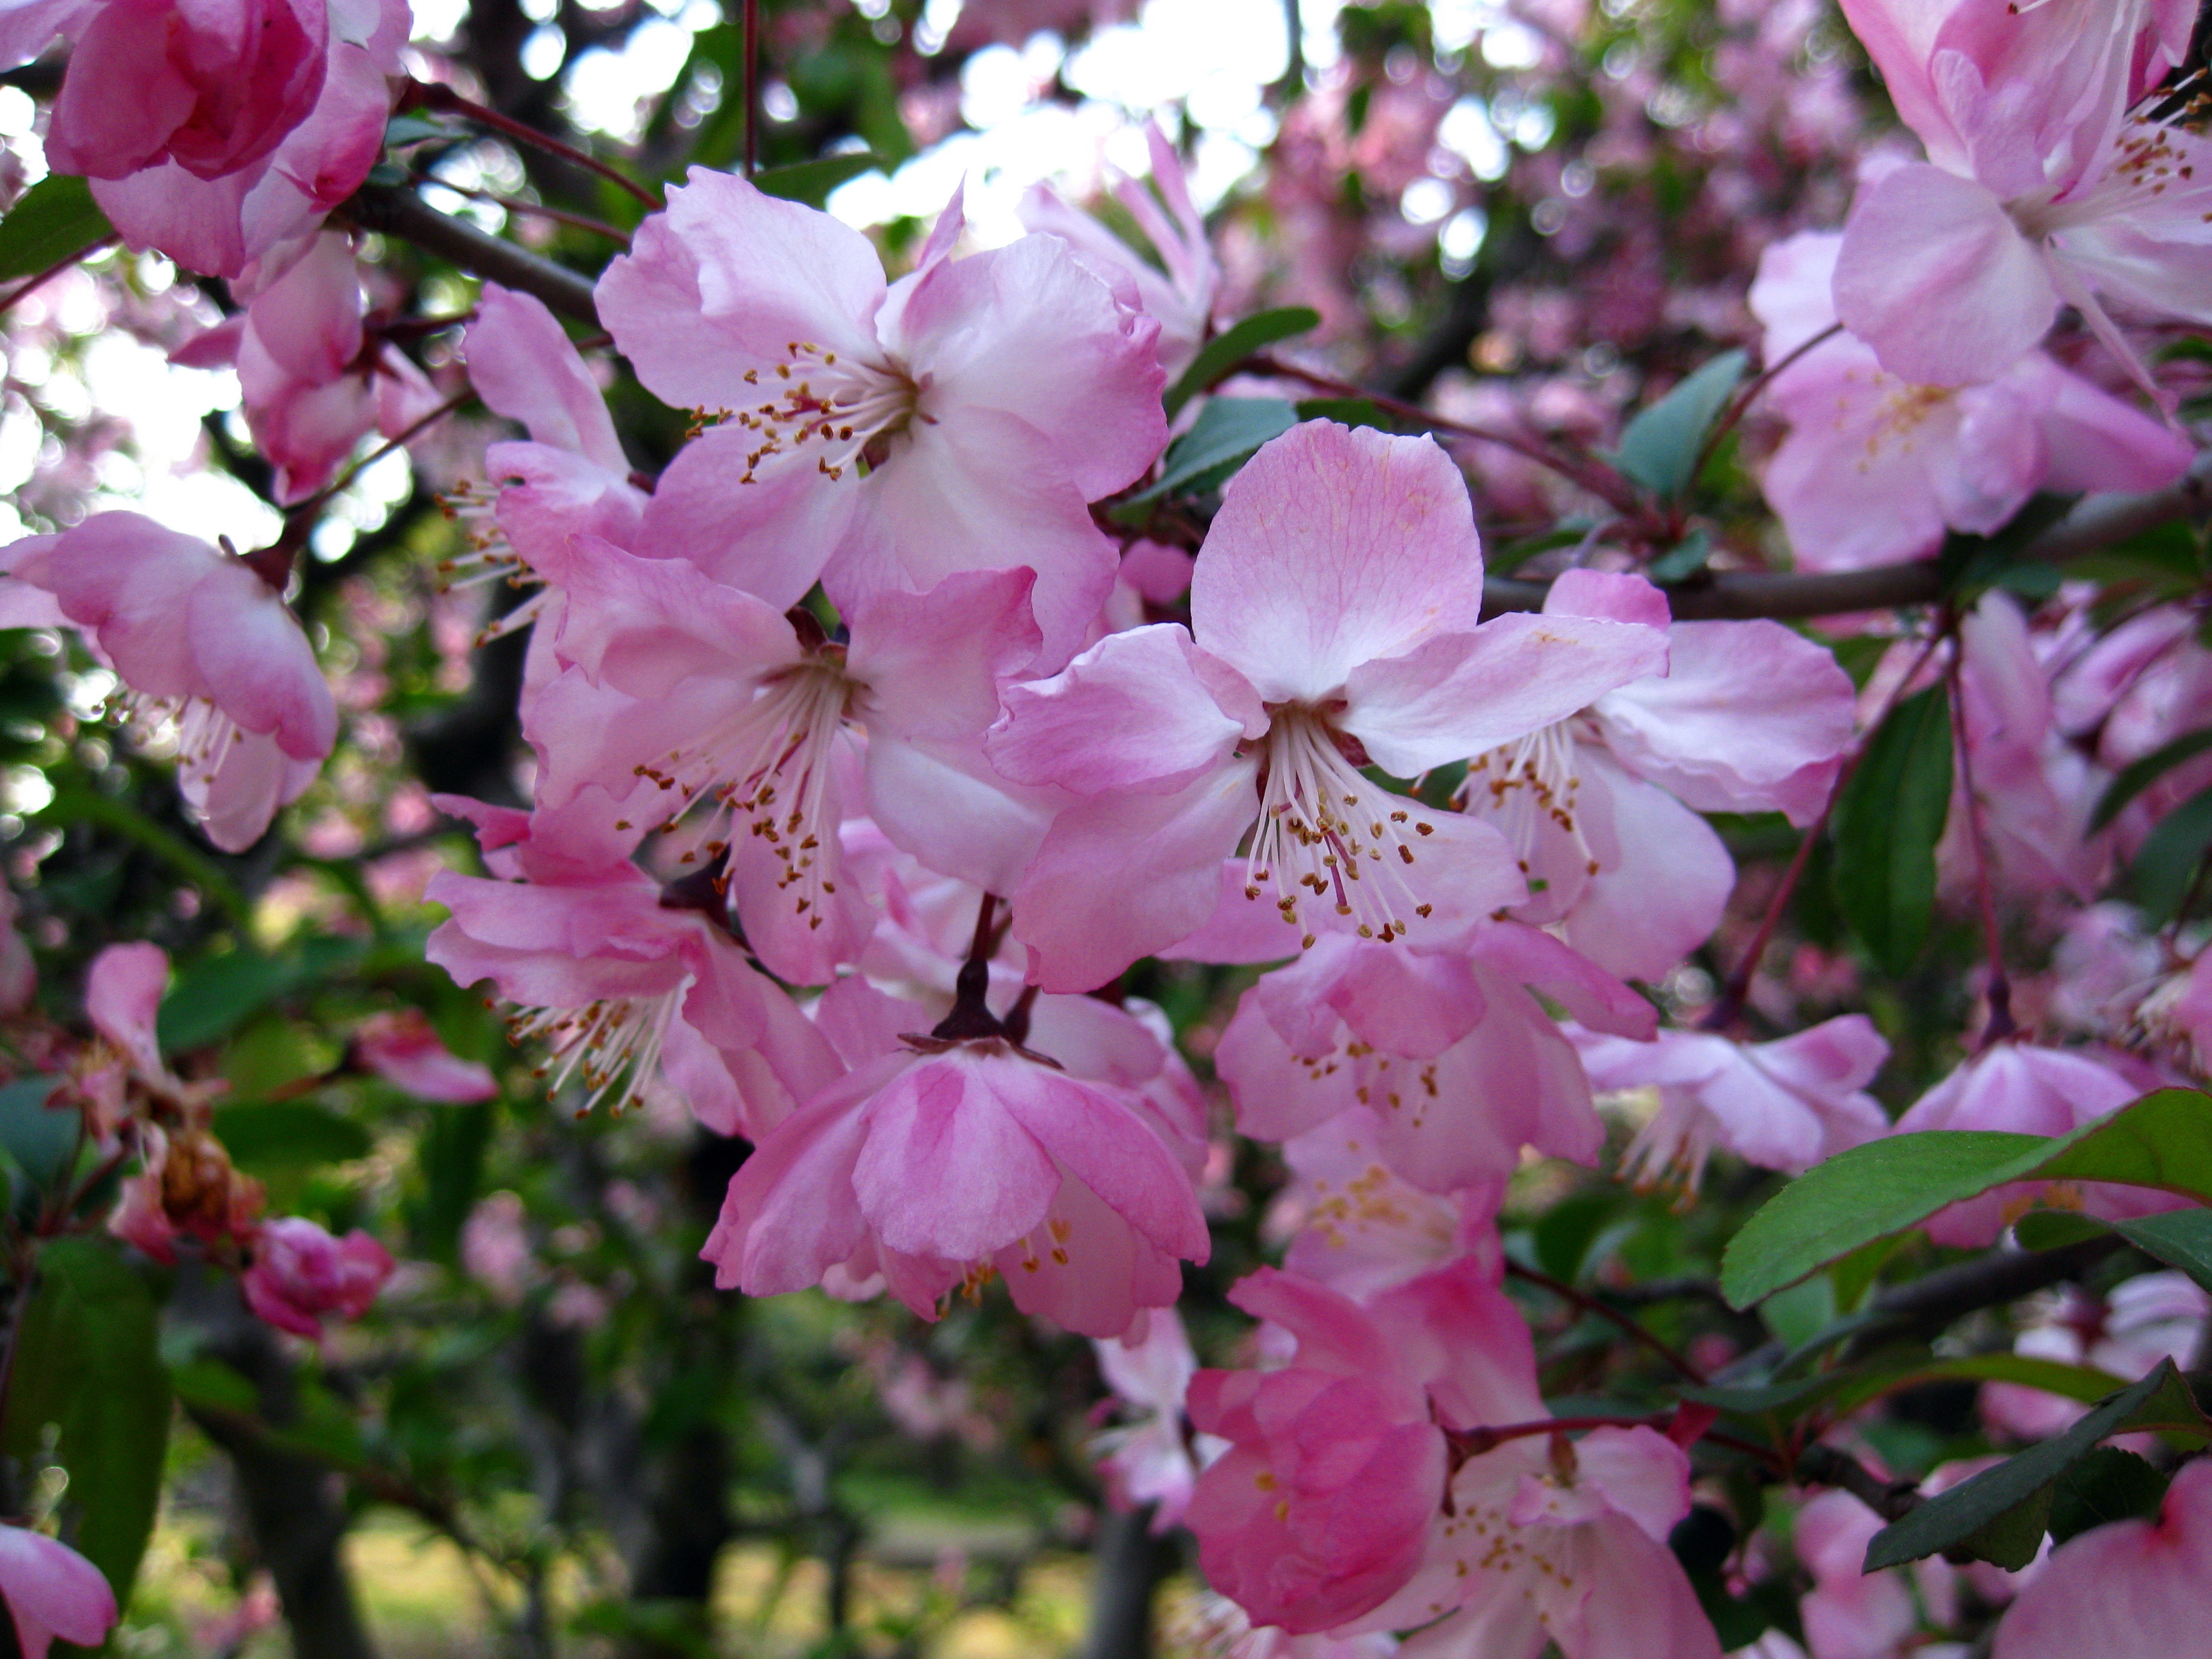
209,656
2150,1317
404,1049
1333,624
2131,1591
301,1275
978,405
52,1591
1148,1461
1783,1105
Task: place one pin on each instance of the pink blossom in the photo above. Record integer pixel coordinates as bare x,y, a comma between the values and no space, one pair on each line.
2150,1317
989,398
1148,1461
1461,1067
952,1159
1333,615
404,1049
2025,1090
2043,186
1783,1105
568,479
1320,1508
495,1246
300,1275
313,384
625,990
207,651
1179,292
2134,1590
123,991
1602,808
1852,1614
712,695
1359,1226
1876,469
52,1591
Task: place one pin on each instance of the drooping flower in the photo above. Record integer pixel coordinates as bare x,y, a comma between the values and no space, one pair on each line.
624,987
300,1275
2134,1590
209,656
1784,1105
312,386
1148,1461
746,726
2024,1089
883,437
52,1591
404,1049
952,1159
1461,1066
1602,808
2046,184
1335,625
1876,469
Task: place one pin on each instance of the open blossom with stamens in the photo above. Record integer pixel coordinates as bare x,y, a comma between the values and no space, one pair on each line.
745,720
1334,625
1461,1066
1876,469
884,436
1359,1226
1783,1105
623,988
1602,808
1179,292
209,659
950,1160
2048,183
569,477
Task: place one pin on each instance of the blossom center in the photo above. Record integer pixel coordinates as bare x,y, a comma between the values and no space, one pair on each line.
768,762
1528,787
612,1045
1325,830
201,733
488,557
845,411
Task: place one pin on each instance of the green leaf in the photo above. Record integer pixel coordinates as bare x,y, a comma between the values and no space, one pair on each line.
2166,865
1349,411
288,1134
1687,558
1659,448
413,130
40,1142
1974,1516
2107,1484
1887,822
1221,440
1801,1312
450,1152
2138,775
2180,1238
2162,1140
2054,1230
1233,345
54,219
87,1360
212,997
811,182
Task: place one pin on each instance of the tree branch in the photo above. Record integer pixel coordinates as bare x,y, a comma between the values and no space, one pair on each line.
2094,524
401,212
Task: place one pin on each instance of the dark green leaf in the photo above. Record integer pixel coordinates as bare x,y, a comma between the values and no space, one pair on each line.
214,996
2162,1140
2107,1484
1348,411
2180,1238
1686,558
451,1155
811,182
1233,345
55,218
40,1141
288,1134
1801,1312
213,1385
1221,440
2011,1538
1975,1509
1887,822
2165,864
2054,1230
1562,1235
1659,448
87,1361
412,129
2138,775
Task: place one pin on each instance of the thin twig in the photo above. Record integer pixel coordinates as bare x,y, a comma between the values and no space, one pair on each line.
1999,991
753,87
436,95
534,209
1569,1294
58,267
393,211
1744,399
1824,1466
